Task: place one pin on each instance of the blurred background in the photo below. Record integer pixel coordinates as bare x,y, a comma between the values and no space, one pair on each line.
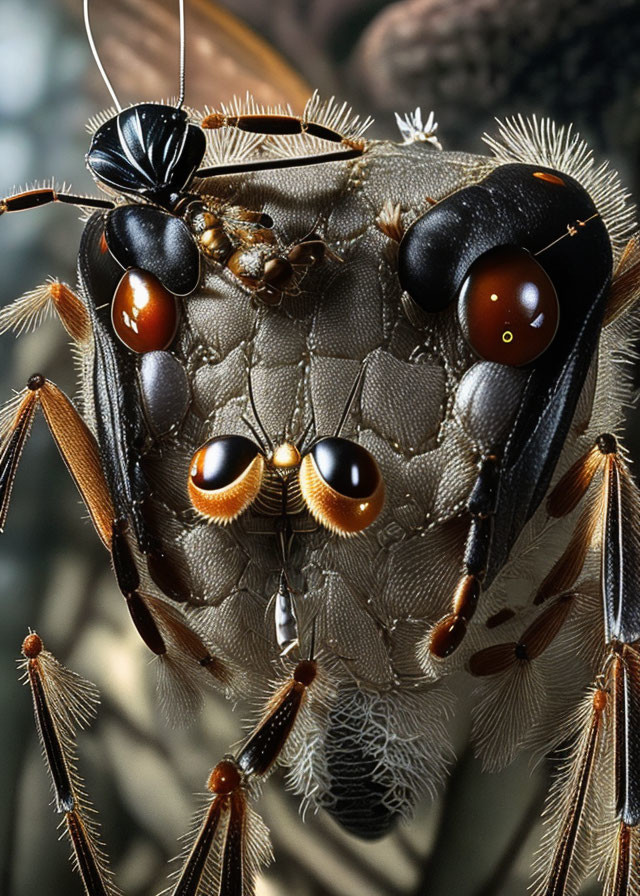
468,60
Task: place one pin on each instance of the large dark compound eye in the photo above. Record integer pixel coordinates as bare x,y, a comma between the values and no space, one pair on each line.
508,307
516,205
224,477
342,485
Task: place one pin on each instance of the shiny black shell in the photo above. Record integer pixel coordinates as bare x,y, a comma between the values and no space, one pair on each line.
346,467
150,150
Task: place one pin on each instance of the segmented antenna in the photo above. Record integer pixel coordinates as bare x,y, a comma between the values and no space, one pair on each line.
97,57
182,55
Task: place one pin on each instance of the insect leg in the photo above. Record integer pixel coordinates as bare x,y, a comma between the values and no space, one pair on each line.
161,626
75,442
43,196
447,634
27,312
232,841
272,164
156,622
276,124
62,703
597,795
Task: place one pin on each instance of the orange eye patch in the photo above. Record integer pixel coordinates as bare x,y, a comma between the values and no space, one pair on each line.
224,477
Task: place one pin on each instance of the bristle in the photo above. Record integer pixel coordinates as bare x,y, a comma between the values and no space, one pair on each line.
69,702
625,286
575,807
541,142
9,414
338,117
96,121
621,872
16,419
226,146
28,312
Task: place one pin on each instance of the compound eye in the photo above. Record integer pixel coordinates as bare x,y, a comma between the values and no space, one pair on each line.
144,314
342,485
508,307
224,477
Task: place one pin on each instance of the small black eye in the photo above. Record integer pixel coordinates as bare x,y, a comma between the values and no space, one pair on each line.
342,485
508,307
225,476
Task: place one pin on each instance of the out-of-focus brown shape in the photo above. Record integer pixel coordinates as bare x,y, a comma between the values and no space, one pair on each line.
139,42
471,60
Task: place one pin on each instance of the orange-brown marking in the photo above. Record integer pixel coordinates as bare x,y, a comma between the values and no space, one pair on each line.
144,313
286,456
32,646
622,873
500,618
225,504
337,512
570,490
550,178
568,567
447,635
465,598
72,312
80,453
492,660
544,629
224,778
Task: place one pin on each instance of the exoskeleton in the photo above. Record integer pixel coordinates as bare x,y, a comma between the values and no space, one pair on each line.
348,424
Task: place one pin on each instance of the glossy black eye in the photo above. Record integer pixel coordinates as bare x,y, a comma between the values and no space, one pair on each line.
508,307
342,485
225,476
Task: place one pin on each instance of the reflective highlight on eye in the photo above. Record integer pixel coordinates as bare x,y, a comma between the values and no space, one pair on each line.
508,307
342,485
224,477
144,314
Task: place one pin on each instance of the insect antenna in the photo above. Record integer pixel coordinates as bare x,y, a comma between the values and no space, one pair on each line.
350,399
94,50
182,55
254,410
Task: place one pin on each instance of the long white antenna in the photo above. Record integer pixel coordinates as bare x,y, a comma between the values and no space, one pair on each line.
97,58
182,55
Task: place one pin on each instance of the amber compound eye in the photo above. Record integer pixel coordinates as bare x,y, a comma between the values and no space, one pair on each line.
342,485
144,314
508,307
224,477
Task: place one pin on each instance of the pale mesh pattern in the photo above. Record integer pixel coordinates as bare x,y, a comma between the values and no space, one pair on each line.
406,736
